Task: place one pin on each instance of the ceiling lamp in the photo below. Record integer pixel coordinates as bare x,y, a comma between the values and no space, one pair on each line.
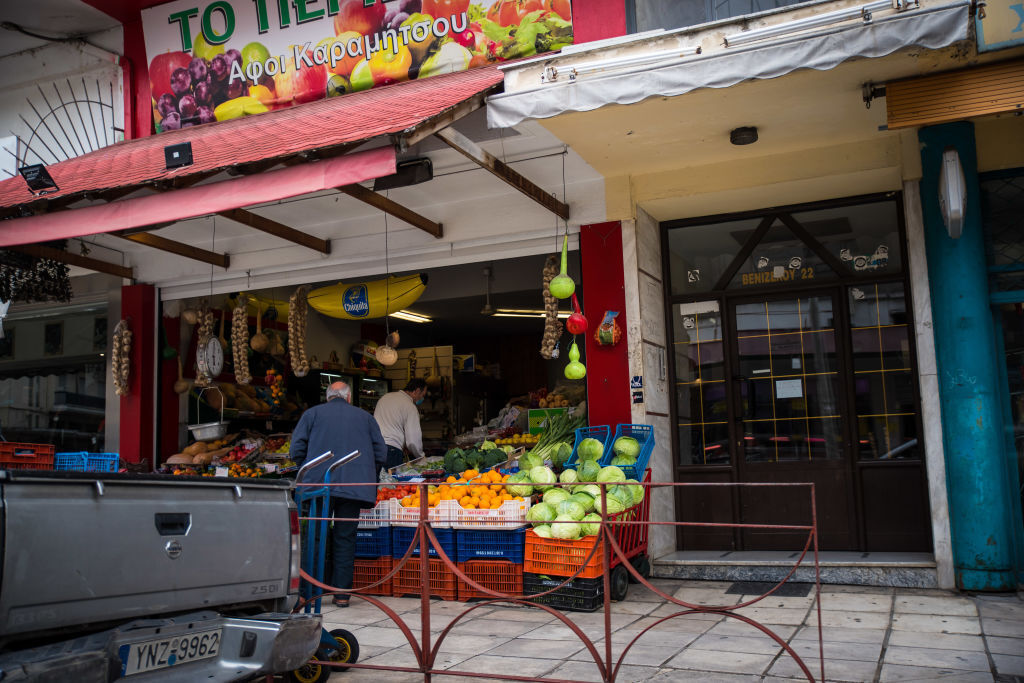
525,313
411,317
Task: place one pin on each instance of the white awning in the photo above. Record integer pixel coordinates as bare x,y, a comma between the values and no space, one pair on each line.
931,28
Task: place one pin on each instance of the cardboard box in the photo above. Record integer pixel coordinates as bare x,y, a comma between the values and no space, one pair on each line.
538,415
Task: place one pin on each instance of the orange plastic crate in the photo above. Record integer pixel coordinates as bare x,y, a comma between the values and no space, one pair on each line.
369,572
503,576
26,456
441,581
559,557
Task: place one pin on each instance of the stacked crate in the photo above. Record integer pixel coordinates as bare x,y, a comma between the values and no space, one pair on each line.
374,559
441,581
492,558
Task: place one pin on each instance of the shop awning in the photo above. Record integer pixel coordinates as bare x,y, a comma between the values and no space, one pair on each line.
316,131
930,28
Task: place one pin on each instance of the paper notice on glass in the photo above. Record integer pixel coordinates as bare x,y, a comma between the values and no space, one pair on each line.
789,388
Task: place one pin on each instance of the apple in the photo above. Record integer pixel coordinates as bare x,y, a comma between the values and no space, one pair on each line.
160,70
203,50
344,66
254,52
353,16
362,76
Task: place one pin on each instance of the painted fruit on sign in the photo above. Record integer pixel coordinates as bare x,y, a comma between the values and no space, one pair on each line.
160,70
353,16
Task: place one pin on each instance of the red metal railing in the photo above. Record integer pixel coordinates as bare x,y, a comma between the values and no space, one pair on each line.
426,651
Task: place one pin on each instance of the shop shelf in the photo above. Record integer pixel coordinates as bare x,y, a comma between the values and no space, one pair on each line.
490,544
644,434
369,572
578,595
600,432
86,462
26,456
501,576
511,515
441,581
373,542
439,516
402,537
379,515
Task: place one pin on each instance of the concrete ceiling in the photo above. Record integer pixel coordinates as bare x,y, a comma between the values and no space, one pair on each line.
53,18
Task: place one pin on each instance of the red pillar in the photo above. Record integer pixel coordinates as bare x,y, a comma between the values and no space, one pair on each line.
138,417
597,19
608,401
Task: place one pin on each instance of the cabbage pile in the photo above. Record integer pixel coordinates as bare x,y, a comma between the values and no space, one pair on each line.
574,504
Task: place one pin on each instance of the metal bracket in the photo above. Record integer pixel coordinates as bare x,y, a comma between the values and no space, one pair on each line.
870,91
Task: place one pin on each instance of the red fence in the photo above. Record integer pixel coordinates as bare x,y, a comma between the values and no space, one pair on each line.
608,552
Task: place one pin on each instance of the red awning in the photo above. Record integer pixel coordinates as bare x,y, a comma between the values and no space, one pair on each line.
318,126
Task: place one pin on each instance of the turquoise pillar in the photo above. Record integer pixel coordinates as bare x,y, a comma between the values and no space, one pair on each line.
969,378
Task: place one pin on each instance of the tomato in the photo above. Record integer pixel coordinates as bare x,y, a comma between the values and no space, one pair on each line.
445,8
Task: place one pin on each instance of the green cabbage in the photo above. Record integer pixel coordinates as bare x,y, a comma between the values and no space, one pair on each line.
584,499
589,470
568,477
561,454
638,491
610,474
592,490
544,530
623,461
590,524
571,508
527,461
613,505
555,496
540,513
567,530
626,445
545,477
590,449
518,484
623,494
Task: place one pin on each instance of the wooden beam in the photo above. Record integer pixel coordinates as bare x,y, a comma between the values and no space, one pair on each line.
272,227
471,150
397,210
42,251
407,139
186,250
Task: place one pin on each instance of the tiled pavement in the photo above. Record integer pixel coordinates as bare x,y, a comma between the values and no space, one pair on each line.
870,634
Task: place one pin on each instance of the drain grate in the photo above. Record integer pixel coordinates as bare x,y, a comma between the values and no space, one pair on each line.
786,590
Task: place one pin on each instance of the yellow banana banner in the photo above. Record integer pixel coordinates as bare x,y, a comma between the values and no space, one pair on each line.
356,301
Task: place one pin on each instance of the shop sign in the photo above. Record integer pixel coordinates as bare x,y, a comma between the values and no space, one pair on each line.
212,60
777,274
1000,24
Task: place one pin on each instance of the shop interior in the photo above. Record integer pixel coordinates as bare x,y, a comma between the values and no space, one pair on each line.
472,331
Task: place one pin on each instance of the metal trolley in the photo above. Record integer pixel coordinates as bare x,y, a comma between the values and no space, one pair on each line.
314,503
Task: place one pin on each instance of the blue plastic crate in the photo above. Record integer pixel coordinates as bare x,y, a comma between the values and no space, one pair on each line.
490,544
86,462
643,434
373,543
403,536
601,432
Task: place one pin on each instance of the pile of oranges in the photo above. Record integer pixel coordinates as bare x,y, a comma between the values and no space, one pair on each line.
472,490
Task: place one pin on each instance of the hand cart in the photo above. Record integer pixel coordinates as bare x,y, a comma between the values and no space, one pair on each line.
314,503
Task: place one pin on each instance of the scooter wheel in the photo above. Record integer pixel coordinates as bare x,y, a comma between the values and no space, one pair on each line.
345,651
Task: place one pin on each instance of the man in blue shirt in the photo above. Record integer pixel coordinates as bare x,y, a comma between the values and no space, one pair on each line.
340,427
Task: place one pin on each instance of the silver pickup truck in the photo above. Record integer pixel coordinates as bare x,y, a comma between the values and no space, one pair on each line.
148,577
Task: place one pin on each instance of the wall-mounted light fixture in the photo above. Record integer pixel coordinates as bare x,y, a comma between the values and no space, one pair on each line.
952,192
38,179
816,20
410,316
525,313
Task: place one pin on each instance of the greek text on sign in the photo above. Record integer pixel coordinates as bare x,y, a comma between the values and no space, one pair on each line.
212,61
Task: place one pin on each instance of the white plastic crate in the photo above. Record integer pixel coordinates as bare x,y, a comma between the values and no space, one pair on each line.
440,516
511,515
379,515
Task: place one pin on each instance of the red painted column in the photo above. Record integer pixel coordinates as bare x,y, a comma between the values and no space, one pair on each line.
597,19
138,417
138,114
608,401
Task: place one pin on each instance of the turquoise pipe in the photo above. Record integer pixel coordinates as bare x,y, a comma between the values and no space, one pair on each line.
969,377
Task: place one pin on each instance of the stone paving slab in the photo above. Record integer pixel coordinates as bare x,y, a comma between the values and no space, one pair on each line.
936,623
852,620
1011,628
722,662
899,672
588,671
835,669
839,634
855,602
1009,664
961,607
942,641
751,644
1005,646
932,657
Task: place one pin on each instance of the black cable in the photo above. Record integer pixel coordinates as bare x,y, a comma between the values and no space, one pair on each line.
11,26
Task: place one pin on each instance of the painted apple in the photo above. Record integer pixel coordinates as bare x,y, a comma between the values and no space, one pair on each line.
344,66
309,84
160,70
203,50
353,16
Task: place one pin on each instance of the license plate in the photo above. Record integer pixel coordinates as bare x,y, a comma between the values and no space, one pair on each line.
161,653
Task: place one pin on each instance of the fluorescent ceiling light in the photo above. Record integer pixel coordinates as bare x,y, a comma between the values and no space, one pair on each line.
525,313
411,317
816,20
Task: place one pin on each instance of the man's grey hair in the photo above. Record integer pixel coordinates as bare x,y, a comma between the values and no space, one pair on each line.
339,390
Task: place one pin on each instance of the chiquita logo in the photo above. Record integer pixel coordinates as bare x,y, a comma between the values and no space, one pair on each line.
356,302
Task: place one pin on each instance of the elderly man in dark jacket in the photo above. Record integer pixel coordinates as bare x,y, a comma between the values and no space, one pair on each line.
340,427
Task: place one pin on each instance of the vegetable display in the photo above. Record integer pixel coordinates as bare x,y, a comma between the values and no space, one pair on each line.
297,311
120,358
240,340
